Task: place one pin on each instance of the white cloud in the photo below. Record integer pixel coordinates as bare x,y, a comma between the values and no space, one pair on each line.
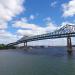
24,19
7,37
69,8
3,26
48,19
33,29
22,24
8,10
32,17
66,22
53,4
25,32
50,27
49,42
30,32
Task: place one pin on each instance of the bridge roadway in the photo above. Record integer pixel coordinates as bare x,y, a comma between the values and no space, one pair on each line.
66,31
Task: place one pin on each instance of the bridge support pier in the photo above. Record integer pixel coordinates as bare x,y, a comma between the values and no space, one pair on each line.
69,45
25,44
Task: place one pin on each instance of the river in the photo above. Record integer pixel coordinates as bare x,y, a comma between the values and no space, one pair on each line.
37,61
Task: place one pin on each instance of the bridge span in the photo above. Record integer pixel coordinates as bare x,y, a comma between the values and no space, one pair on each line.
66,31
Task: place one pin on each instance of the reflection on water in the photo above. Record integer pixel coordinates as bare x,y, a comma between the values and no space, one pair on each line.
69,50
37,61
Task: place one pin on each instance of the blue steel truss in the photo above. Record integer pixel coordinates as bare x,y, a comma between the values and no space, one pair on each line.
65,31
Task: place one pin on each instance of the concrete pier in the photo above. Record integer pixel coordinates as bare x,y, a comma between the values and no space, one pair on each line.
25,44
69,44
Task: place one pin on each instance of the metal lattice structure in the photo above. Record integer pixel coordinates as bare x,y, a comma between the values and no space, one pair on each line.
65,31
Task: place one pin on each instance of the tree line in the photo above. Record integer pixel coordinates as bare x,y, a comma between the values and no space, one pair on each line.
3,46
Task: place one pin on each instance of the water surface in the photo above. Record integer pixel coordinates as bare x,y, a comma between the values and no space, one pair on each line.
37,61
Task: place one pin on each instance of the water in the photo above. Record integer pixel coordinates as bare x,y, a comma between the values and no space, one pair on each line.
39,61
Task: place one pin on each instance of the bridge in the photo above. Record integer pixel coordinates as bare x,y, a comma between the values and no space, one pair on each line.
66,31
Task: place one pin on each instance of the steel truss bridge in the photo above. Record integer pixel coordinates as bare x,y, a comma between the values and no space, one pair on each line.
66,31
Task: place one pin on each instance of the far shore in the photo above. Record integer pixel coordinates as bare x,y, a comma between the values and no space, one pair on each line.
28,47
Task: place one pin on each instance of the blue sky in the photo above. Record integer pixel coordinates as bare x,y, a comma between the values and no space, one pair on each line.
34,17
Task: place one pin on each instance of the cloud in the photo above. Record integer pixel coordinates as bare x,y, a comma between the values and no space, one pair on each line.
24,19
66,22
22,24
32,17
23,32
3,26
7,37
69,8
33,29
8,10
53,4
49,42
47,19
50,27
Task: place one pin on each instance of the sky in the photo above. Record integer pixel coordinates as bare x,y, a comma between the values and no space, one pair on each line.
34,17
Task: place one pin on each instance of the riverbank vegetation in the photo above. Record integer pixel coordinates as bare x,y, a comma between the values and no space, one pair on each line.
3,46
